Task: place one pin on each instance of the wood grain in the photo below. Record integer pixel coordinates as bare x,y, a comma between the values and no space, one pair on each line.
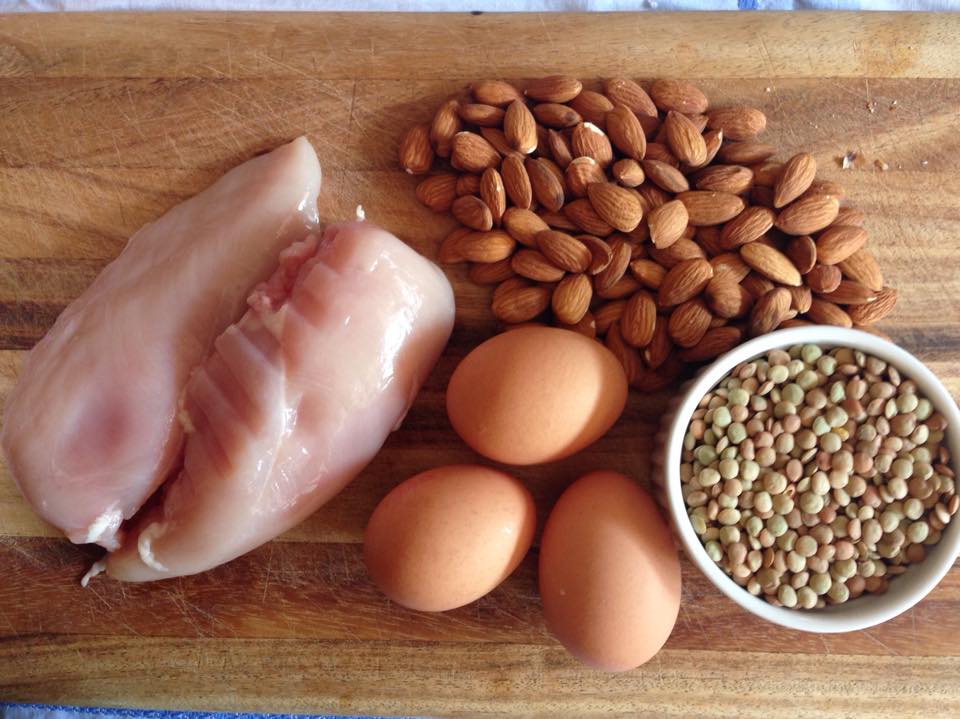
106,121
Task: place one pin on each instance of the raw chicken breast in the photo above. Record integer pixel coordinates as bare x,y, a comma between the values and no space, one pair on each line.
90,428
295,400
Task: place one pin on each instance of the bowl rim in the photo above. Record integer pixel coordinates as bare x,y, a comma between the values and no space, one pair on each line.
866,611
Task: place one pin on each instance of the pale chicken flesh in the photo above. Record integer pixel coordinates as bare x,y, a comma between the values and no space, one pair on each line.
91,428
295,399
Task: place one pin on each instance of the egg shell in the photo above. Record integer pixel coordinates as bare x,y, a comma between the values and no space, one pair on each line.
609,573
535,395
448,536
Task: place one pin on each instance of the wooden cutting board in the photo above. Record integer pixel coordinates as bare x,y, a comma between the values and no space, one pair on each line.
108,120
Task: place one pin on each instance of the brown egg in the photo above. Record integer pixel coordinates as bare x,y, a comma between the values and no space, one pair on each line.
609,573
448,536
535,395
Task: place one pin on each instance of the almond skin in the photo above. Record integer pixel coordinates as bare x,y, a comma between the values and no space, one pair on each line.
449,251
617,206
853,216
629,357
660,347
622,91
746,153
516,182
863,267
588,140
684,280
770,310
564,251
767,173
608,314
495,92
523,225
659,151
472,212
555,115
468,185
495,136
624,287
738,123
727,298
571,298
471,153
639,319
581,172
438,192
533,265
823,312
520,127
648,273
493,194
711,208
415,152
680,251
520,304
667,223
560,148
689,322
794,179
749,225
625,132
730,265
446,123
802,252
685,140
628,172
546,187
850,292
801,297
678,96
823,279
714,343
835,244
582,213
600,252
808,214
490,246
665,176
592,107
555,88
614,271
491,273
770,263
475,113
735,179
875,311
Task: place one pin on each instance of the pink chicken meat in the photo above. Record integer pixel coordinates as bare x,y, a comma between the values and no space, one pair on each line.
91,427
295,399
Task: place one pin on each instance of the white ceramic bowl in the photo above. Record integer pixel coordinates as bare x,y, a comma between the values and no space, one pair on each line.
867,610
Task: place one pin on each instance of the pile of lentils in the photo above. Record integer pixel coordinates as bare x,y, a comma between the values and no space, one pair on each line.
813,477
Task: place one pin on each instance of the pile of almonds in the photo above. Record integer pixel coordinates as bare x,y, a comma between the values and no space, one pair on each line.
650,220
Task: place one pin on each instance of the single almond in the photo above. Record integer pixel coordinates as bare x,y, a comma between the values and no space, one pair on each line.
614,271
678,96
624,287
588,140
491,246
555,88
478,114
713,139
582,213
802,252
495,92
660,347
546,187
617,205
863,267
438,192
581,172
772,308
837,243
520,127
711,208
746,153
473,212
767,173
685,140
667,223
558,221
625,132
639,319
794,179
446,123
714,343
627,356
449,251
749,225
600,251
735,179
689,322
684,280
471,153
555,115
523,225
608,314
665,176
738,123
771,263
495,136
564,251
850,292
680,251
757,285
622,91
827,187
592,107
730,265
800,299
516,182
468,185
652,196
661,153
587,326
822,312
875,311
708,237
628,172
520,304
648,273
727,298
415,152
493,194
491,273
808,214
533,265
571,298
824,279
850,216
559,148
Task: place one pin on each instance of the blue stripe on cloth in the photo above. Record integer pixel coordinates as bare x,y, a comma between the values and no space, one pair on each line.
747,4
49,711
